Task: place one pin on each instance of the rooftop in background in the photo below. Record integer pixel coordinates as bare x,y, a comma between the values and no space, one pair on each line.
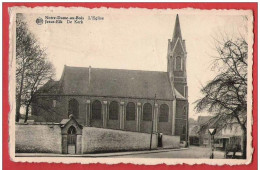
203,119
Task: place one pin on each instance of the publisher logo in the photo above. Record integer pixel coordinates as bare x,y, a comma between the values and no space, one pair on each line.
39,21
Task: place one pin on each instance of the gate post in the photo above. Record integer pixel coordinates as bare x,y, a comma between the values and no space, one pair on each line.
79,144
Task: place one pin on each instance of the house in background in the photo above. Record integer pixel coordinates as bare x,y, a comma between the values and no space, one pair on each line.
199,134
204,136
194,132
229,136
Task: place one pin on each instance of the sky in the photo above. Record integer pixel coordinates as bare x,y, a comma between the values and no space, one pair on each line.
136,40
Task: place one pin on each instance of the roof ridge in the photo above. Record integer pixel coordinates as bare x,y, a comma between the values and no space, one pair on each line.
116,69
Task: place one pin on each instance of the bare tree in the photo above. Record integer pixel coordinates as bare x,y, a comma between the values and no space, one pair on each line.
226,95
42,71
32,67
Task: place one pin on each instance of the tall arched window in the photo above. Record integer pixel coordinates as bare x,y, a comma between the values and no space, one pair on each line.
73,108
130,111
147,112
164,113
178,64
113,111
96,110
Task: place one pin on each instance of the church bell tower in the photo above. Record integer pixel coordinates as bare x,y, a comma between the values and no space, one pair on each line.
176,57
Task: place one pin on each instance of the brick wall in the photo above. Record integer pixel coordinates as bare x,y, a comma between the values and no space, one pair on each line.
61,112
37,138
165,127
181,119
96,123
113,124
130,125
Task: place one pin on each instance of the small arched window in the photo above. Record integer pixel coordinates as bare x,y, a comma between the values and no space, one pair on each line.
164,113
147,112
73,108
113,111
178,64
72,130
130,111
96,110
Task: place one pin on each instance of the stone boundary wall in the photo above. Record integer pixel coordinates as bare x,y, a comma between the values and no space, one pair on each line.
108,140
47,138
170,141
37,138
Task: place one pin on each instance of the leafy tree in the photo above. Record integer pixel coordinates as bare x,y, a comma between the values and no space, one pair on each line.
32,67
226,95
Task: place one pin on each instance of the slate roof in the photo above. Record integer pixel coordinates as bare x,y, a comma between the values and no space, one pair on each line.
116,82
112,83
65,121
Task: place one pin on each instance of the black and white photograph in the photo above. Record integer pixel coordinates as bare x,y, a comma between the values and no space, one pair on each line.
144,86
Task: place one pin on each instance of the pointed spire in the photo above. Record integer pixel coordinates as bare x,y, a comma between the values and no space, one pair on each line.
177,30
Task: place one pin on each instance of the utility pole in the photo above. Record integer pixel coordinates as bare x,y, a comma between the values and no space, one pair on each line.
153,114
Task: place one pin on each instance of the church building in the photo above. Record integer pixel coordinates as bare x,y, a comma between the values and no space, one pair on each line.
126,100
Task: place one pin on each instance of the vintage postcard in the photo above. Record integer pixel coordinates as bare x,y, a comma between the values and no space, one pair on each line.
141,86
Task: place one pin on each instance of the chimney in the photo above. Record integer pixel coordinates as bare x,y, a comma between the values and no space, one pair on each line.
89,74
